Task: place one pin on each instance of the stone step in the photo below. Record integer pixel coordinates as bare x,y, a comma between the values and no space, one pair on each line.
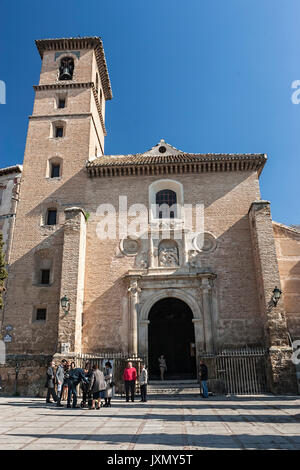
173,387
172,382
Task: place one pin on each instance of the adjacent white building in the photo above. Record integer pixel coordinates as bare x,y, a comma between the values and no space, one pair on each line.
10,178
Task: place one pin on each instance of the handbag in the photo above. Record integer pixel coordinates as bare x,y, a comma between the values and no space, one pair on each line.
112,384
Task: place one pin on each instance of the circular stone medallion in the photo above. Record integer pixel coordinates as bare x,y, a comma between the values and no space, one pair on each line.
129,247
205,242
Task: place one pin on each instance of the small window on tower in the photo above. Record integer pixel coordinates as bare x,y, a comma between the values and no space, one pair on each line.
61,103
41,314
55,170
45,276
59,132
51,217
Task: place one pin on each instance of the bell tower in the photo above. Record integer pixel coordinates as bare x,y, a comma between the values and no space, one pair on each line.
73,88
66,129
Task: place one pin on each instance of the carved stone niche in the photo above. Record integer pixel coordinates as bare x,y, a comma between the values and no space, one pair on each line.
205,242
168,254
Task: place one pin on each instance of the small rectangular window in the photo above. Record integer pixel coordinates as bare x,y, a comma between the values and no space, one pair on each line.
59,131
61,103
51,217
41,314
55,170
45,276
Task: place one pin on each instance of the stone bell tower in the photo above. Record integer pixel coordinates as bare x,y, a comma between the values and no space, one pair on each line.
66,129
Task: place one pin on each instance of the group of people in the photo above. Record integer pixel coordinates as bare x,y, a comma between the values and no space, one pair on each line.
95,384
98,385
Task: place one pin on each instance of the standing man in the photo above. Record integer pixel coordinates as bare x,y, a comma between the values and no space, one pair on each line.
143,379
50,383
76,375
129,377
203,374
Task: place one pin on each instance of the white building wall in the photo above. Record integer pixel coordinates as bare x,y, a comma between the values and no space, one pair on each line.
8,201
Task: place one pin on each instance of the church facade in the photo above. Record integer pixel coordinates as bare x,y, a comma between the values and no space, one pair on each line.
162,252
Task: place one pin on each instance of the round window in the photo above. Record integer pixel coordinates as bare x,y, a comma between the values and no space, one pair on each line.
162,149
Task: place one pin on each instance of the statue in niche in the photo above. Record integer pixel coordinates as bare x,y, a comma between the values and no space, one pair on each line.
168,254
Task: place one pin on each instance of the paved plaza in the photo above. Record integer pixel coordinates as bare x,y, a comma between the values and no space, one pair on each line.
182,422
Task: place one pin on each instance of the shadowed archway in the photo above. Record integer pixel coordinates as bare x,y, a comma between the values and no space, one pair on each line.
171,332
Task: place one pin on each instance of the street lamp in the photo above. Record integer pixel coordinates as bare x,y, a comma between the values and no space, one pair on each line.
276,295
65,303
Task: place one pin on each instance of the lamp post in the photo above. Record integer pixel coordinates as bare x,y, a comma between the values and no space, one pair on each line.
276,295
65,304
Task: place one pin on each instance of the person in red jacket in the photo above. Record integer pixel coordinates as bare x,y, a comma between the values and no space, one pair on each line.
129,377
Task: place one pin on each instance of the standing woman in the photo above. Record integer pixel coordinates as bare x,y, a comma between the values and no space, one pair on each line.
97,387
110,388
162,366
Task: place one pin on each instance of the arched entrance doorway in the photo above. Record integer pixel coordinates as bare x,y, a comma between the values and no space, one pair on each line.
171,332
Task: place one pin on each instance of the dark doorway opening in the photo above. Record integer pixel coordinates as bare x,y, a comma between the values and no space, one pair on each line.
171,333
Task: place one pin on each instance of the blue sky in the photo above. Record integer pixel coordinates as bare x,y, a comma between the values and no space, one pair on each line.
207,76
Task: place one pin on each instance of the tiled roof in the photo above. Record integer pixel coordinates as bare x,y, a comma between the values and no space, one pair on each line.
94,42
111,165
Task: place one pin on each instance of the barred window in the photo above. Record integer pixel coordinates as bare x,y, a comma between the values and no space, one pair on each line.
166,198
41,314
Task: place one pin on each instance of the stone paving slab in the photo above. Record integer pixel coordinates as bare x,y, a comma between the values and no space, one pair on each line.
183,422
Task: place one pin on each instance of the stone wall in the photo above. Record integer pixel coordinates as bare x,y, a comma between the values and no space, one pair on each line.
287,241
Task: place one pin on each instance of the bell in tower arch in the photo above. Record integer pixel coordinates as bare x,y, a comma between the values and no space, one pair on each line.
66,68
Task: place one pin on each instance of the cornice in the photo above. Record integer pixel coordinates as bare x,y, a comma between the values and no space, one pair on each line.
142,165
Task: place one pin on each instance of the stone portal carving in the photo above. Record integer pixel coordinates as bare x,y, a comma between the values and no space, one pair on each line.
168,254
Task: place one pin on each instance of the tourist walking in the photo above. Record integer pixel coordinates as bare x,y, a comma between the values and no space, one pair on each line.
129,377
97,387
203,374
50,383
143,380
162,366
110,387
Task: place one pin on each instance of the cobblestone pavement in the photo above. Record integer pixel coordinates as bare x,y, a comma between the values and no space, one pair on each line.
183,422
